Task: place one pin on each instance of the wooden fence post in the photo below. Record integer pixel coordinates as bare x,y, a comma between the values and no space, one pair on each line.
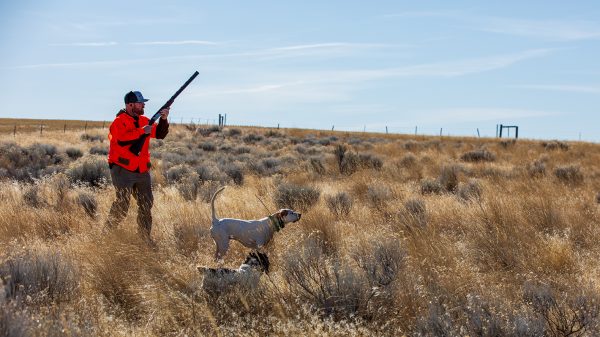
40,129
65,128
85,127
15,131
478,136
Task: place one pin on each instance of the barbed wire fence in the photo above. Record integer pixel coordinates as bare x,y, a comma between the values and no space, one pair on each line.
29,126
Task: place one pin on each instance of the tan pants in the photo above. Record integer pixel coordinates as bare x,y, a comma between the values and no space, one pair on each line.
127,183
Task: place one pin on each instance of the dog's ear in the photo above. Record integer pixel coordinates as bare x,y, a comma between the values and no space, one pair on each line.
283,212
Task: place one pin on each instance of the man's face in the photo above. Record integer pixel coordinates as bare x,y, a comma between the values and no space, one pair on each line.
137,108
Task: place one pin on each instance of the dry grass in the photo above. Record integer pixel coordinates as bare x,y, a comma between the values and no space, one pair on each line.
399,236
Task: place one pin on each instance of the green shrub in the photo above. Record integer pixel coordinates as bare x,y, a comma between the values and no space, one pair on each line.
296,197
91,171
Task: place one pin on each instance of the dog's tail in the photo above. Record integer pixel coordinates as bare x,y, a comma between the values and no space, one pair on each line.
212,202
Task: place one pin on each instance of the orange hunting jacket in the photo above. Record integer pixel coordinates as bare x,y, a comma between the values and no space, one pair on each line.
123,132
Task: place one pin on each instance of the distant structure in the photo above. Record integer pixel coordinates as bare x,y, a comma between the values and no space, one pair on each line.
501,127
222,120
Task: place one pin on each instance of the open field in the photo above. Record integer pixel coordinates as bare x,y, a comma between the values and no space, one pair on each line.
400,235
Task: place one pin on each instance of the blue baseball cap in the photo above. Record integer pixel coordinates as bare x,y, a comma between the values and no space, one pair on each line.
134,97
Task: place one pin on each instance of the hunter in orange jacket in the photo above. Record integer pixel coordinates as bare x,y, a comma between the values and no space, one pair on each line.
129,172
124,131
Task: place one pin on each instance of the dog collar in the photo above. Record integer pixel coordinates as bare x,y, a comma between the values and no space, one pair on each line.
276,222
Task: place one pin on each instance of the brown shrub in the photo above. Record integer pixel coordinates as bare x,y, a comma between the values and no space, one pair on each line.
570,174
478,156
43,277
339,204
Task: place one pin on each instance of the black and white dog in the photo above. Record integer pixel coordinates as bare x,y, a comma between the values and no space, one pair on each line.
218,280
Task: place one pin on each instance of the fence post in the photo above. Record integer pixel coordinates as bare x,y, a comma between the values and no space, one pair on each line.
85,127
478,136
440,132
65,128
15,131
386,130
517,132
40,129
103,124
415,130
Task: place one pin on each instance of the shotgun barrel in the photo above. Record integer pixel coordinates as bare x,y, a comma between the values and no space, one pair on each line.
136,147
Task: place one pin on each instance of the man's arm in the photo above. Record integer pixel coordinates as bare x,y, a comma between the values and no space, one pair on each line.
161,130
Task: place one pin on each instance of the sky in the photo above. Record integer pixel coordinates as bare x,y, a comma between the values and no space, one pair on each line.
454,67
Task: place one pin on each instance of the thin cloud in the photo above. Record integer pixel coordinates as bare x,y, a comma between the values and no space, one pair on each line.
562,30
328,46
439,69
85,44
471,66
321,49
546,29
248,89
176,42
260,54
567,88
422,14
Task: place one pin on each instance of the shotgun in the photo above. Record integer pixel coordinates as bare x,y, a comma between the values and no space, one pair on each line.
136,147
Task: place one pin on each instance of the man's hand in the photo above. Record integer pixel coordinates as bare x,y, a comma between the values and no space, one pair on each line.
147,129
164,113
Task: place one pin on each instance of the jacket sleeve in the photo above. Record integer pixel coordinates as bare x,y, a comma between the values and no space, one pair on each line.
161,130
122,133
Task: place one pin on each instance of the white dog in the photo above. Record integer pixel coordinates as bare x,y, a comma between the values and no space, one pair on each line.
220,280
253,234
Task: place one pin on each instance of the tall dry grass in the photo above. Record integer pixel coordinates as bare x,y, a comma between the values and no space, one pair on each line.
399,236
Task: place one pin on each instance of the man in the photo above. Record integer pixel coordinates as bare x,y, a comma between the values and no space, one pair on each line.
129,172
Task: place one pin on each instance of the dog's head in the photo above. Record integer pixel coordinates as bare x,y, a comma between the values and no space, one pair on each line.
258,260
287,215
